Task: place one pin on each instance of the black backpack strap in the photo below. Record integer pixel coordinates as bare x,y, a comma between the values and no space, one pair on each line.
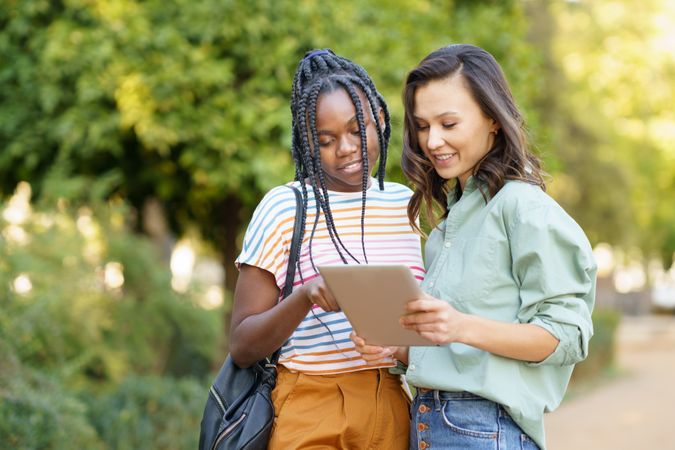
295,243
293,255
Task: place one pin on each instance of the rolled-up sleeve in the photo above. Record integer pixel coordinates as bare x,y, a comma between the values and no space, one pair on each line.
554,266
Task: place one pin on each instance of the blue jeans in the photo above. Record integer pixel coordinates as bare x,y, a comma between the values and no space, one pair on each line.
461,420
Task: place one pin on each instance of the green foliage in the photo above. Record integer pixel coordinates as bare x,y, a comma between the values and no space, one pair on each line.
188,103
150,412
601,350
36,411
609,106
84,357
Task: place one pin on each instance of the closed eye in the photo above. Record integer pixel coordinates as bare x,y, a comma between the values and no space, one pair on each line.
448,126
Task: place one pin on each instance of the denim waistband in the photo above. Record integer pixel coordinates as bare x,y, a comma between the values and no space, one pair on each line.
446,395
437,398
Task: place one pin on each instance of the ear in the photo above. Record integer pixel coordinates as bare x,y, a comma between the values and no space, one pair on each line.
380,117
494,126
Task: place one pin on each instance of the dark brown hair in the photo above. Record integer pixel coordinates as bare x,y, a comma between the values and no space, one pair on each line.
508,159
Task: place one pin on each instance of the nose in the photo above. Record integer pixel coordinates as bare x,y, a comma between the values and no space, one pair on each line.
348,145
434,139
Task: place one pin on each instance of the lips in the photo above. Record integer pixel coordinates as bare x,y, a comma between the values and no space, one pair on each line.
443,159
351,166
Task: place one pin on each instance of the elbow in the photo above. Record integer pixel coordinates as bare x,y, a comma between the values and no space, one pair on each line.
242,358
547,350
563,355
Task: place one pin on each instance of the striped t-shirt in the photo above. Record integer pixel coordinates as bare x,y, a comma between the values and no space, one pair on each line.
321,344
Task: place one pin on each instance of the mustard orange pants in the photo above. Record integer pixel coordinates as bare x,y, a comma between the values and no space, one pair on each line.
357,410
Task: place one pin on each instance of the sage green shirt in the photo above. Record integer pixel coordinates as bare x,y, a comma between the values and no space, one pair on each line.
518,258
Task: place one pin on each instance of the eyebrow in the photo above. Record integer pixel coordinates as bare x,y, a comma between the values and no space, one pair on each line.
446,113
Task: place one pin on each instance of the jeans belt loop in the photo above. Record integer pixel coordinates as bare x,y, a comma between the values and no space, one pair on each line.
437,400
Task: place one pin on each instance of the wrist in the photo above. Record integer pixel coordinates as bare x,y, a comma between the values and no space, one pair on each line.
304,297
401,355
467,330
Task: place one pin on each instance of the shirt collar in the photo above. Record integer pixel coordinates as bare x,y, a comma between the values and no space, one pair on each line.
470,186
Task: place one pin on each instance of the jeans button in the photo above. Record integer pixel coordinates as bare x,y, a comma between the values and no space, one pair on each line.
424,445
423,408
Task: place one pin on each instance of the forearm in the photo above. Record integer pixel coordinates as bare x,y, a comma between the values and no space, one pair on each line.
261,334
522,341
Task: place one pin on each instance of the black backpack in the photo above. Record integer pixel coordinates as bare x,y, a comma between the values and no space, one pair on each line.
239,413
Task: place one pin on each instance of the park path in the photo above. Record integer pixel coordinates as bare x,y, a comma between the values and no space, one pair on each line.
636,409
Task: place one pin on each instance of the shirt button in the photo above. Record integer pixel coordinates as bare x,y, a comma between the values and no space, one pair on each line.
423,408
431,284
411,367
447,244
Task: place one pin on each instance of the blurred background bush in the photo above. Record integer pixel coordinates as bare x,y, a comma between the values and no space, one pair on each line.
602,348
96,348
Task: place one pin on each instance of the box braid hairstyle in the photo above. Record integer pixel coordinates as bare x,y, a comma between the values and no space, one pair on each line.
322,71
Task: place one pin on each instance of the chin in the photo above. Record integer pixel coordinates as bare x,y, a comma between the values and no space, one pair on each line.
447,174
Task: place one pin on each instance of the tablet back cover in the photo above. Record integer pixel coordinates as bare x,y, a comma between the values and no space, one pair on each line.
373,297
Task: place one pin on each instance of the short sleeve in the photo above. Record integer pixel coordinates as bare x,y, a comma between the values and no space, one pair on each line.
554,266
268,235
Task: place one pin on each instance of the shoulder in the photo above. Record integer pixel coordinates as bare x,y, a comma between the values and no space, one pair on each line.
397,187
520,193
277,204
528,210
395,190
278,196
280,193
519,200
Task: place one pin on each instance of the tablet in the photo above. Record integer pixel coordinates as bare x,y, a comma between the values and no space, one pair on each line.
373,298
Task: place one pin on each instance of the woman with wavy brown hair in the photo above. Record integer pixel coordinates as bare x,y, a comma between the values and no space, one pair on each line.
510,281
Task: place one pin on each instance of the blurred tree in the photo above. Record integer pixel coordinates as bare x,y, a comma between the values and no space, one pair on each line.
609,69
187,102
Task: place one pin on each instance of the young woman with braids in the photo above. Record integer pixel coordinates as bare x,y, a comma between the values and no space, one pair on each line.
510,277
326,395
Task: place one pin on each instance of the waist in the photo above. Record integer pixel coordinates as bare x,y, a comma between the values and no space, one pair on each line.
357,376
424,393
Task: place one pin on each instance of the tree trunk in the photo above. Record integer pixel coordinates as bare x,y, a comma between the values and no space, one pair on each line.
229,212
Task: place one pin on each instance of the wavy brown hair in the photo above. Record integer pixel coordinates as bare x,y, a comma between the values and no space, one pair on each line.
509,158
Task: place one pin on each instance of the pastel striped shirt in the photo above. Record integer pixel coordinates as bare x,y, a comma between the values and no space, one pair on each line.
320,344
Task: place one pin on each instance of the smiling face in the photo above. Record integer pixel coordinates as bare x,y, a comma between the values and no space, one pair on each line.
452,130
340,140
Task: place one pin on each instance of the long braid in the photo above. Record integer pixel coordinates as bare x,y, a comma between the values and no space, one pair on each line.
307,158
300,171
314,162
381,170
324,197
349,87
302,229
363,76
382,135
